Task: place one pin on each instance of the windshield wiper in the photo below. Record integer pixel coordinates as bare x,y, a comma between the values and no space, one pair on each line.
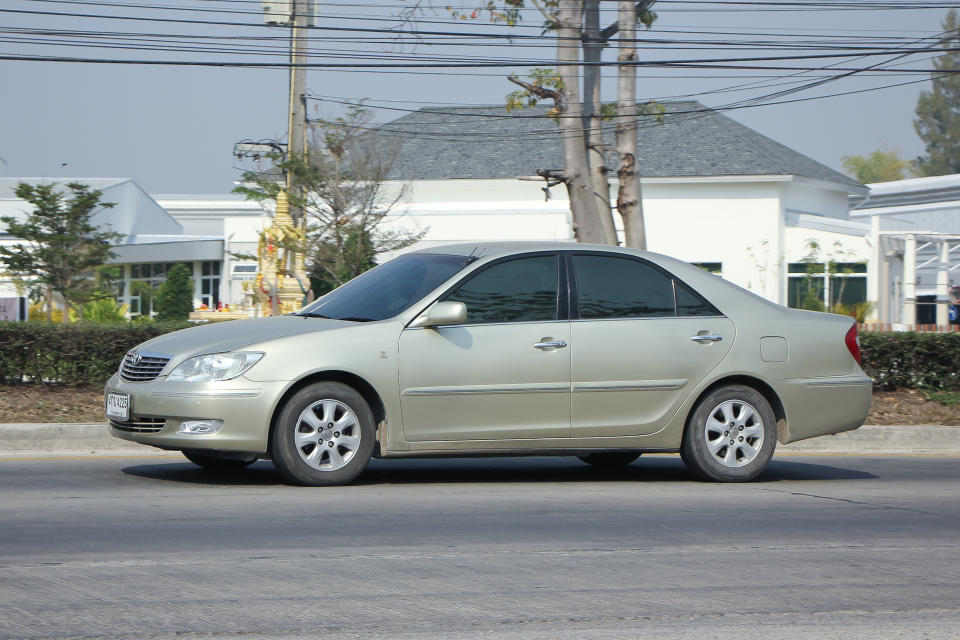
356,319
312,314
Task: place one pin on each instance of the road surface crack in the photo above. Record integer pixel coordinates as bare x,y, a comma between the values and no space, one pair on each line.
857,502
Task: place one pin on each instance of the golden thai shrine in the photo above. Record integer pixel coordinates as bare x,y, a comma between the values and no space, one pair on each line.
281,283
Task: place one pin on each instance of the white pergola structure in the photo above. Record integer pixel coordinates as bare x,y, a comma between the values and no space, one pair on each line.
908,265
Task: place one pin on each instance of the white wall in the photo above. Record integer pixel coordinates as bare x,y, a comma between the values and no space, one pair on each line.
733,221
239,222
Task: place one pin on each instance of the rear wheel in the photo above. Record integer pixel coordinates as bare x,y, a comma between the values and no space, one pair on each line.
219,461
324,435
730,436
610,459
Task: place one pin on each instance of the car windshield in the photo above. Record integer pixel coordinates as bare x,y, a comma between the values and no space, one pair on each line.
388,289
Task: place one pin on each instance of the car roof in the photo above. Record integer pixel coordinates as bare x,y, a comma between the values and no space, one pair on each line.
722,293
486,249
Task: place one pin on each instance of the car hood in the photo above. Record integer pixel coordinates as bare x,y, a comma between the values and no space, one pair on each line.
226,336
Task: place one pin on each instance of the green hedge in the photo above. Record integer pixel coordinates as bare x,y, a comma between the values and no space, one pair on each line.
912,360
75,354
88,354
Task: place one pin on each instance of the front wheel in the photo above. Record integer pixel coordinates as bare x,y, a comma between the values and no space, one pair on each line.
730,436
324,435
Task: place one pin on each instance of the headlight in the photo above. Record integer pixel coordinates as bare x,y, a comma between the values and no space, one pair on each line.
215,366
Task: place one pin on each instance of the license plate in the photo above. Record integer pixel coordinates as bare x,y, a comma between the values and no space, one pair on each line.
118,406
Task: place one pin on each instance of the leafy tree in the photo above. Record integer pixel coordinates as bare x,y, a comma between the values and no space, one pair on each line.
883,165
63,247
938,110
343,192
174,299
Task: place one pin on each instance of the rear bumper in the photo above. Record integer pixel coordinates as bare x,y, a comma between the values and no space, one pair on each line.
823,406
157,409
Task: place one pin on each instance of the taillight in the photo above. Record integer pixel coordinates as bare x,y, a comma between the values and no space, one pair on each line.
852,340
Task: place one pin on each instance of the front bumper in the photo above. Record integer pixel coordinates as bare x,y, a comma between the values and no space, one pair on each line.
158,407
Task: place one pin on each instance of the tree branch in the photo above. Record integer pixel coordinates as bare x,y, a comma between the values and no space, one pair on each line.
540,92
612,30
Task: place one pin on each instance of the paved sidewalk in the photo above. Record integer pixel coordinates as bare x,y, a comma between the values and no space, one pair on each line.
69,438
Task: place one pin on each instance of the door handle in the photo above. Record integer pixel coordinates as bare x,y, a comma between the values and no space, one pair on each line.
707,337
550,344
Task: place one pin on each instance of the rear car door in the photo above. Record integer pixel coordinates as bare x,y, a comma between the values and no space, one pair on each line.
641,340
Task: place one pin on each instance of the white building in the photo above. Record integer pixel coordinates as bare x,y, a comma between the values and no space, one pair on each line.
716,193
915,240
152,239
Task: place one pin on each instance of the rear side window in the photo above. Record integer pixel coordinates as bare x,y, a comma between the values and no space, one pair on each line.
621,288
690,303
521,290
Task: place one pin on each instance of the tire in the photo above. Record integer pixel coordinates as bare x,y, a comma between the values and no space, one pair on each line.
709,448
218,462
610,459
336,452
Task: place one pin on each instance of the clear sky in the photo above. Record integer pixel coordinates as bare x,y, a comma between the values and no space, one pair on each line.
172,128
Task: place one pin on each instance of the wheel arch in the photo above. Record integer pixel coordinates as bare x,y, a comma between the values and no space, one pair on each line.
352,380
757,385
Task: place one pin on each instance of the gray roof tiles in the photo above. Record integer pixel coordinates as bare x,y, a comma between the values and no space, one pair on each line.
485,142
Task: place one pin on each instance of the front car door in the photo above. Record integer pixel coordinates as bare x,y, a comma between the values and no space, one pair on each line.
641,340
502,375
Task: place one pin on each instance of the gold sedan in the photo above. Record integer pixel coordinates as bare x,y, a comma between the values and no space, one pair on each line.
509,348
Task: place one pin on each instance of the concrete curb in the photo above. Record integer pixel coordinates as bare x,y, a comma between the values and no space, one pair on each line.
875,439
72,438
64,438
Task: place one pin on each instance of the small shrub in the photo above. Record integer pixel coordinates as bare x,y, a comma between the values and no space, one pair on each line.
174,300
912,360
79,354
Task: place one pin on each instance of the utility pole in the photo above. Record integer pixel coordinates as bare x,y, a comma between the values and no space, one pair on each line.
296,129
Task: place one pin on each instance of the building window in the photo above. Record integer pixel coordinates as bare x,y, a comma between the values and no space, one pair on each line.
244,271
826,286
210,283
144,281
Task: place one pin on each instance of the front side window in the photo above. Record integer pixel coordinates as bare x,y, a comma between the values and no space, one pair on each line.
621,288
521,290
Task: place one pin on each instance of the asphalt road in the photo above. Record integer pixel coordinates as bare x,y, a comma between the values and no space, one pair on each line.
826,546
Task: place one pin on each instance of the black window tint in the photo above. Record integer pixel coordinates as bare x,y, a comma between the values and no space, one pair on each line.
522,290
621,288
691,304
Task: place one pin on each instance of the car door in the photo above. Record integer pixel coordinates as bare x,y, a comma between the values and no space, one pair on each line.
640,342
505,372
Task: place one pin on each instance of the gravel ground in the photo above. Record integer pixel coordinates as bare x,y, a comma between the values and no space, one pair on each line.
40,403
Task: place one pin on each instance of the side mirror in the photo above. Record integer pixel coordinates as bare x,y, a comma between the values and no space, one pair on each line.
442,313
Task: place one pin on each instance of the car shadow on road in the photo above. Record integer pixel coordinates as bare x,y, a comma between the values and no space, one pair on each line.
648,469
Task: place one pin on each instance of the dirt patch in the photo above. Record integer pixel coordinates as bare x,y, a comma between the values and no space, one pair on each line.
30,403
41,403
910,407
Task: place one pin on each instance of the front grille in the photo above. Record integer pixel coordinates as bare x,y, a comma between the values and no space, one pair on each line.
140,425
142,366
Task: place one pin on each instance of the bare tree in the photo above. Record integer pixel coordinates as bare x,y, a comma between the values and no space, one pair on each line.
345,194
560,18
